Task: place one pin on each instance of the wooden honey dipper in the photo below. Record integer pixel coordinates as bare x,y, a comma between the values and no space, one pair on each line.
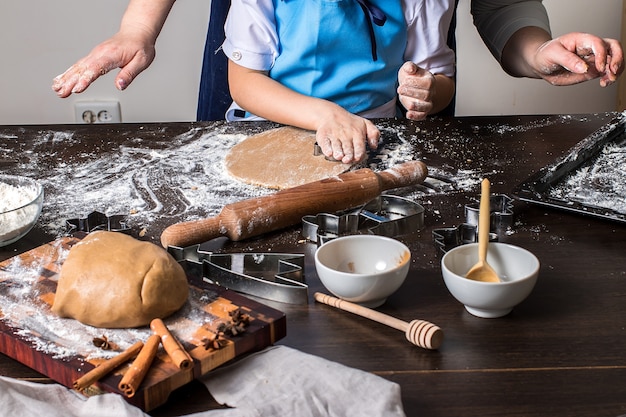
419,332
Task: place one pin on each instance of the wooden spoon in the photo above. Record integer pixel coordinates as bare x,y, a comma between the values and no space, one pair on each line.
482,271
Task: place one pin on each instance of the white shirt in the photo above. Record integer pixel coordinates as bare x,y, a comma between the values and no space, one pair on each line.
251,39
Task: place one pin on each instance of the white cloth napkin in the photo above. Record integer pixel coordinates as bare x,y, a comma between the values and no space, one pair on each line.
278,381
281,381
21,398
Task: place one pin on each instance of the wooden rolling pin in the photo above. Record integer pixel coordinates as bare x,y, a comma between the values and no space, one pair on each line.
419,332
256,216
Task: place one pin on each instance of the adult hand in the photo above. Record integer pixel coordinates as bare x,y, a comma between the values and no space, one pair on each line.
416,90
132,53
344,136
577,57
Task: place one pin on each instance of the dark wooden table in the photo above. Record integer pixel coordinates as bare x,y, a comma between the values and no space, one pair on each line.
562,352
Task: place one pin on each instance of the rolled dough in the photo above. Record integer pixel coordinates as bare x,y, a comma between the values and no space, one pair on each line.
113,280
280,158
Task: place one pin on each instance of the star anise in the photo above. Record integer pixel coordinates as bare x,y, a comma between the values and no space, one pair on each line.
104,343
216,342
232,329
238,317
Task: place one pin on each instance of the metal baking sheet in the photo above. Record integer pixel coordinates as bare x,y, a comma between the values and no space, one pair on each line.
590,179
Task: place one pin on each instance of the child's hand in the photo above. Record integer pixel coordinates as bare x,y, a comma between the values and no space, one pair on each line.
343,136
416,90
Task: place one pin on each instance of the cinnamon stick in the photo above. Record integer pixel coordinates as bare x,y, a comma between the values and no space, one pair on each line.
172,346
139,368
106,367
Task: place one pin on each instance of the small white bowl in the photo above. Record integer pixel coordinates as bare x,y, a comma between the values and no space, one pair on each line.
18,214
363,269
517,268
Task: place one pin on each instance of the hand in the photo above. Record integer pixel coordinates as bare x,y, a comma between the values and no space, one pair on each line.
344,135
131,53
577,57
416,90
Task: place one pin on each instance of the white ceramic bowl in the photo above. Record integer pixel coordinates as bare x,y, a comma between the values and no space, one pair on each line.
517,268
363,269
21,200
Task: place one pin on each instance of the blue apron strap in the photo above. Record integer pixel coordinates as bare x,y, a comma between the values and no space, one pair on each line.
214,96
376,16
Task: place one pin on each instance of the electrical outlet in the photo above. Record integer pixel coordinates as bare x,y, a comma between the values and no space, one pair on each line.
98,111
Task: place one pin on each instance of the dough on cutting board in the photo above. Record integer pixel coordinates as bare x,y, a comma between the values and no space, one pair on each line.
113,280
280,158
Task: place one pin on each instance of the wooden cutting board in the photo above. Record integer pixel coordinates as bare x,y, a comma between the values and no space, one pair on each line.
27,334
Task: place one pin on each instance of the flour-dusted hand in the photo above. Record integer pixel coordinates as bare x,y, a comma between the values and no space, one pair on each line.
577,57
421,92
132,54
416,90
344,136
566,60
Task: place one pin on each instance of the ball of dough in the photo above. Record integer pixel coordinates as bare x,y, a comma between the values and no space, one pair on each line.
113,280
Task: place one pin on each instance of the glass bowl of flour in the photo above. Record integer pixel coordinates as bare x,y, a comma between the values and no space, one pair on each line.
21,200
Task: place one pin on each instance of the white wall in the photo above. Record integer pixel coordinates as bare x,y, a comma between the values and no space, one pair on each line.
40,39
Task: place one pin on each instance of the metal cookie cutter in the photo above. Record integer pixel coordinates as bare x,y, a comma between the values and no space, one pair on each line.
386,215
501,213
390,215
450,237
273,276
325,226
97,221
501,220
317,151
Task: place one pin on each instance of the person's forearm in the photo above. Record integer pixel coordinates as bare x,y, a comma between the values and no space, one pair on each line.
498,20
257,93
146,16
520,50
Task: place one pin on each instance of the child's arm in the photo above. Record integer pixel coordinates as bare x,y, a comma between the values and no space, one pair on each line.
422,93
340,133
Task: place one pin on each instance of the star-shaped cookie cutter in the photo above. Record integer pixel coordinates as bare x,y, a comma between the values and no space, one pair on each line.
273,276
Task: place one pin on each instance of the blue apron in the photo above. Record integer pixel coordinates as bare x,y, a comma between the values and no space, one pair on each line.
344,51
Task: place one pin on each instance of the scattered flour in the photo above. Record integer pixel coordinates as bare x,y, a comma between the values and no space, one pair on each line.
601,184
181,178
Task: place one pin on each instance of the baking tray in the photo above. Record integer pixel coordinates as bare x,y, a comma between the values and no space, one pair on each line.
588,180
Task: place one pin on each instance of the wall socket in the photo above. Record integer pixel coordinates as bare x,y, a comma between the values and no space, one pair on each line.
98,111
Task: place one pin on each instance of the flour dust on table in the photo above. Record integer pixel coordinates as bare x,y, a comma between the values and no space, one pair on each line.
182,176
